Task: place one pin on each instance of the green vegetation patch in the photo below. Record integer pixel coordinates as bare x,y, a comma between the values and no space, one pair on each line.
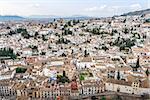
7,52
21,70
81,77
84,75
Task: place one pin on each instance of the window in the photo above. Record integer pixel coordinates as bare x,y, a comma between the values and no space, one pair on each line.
89,90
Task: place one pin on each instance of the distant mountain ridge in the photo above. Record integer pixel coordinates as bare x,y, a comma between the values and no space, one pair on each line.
43,16
40,17
48,17
141,12
80,17
54,16
10,17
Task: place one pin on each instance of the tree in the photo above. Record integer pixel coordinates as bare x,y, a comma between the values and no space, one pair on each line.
36,34
65,26
103,98
8,27
138,62
122,47
56,34
43,53
72,51
11,32
76,22
124,21
118,75
20,70
63,78
147,72
144,36
63,55
64,73
126,31
44,38
69,23
85,53
124,43
113,31
7,52
63,40
104,48
81,77
23,32
54,20
67,32
34,48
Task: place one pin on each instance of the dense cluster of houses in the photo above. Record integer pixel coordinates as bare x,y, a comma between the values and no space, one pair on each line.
75,58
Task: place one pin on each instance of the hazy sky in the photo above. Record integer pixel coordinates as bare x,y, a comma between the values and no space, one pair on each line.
71,7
